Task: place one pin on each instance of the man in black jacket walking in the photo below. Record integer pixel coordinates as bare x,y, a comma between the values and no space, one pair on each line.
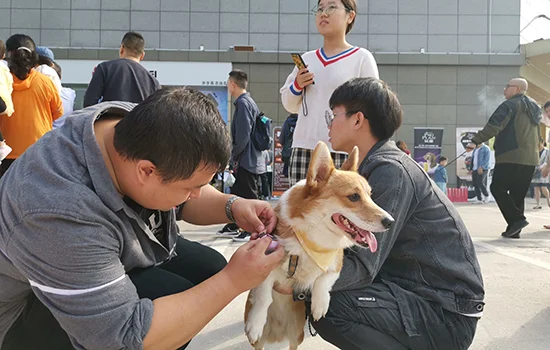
123,79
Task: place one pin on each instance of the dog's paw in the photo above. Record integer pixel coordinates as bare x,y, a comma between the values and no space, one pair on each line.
319,305
254,331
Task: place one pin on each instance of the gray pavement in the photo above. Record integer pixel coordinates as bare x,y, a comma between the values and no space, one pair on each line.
516,274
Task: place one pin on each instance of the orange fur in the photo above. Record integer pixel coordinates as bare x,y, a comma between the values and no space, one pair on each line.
327,191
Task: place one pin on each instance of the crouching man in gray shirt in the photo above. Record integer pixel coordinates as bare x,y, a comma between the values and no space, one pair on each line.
90,256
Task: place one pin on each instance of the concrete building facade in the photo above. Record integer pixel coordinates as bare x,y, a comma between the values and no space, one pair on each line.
448,60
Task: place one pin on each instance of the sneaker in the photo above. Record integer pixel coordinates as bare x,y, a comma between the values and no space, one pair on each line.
4,151
516,236
513,230
537,207
229,231
242,237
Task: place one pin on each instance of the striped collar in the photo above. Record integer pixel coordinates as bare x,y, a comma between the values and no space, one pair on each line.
330,60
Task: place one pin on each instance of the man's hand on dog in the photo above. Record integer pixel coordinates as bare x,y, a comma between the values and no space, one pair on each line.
278,288
254,215
250,265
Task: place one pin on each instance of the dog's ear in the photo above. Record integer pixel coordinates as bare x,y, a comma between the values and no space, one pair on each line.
320,166
352,163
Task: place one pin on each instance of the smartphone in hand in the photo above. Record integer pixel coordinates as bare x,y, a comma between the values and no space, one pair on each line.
299,61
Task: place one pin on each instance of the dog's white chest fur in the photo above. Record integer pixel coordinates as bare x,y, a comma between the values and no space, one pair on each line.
307,276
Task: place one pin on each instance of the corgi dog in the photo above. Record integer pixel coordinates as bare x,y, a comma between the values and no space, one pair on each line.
318,218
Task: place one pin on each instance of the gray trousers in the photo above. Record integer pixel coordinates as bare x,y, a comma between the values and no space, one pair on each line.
374,319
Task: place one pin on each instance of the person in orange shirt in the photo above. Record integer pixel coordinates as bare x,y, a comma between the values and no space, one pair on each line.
35,98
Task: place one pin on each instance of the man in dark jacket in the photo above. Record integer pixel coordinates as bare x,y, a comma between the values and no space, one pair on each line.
247,163
123,79
422,288
516,125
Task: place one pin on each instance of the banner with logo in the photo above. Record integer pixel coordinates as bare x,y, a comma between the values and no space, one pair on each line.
464,160
280,181
427,147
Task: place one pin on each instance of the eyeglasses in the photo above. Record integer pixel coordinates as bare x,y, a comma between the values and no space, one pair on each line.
508,86
318,11
329,116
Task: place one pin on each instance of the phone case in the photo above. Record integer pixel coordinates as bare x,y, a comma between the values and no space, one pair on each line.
298,61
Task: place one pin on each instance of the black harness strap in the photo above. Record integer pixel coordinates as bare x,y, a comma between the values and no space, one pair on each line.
292,266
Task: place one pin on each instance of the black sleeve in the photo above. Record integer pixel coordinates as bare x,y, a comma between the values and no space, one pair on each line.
284,131
2,110
2,106
95,88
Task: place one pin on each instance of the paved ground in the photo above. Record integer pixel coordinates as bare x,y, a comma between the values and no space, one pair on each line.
516,274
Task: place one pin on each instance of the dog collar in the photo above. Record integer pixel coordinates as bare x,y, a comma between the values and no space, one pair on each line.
321,256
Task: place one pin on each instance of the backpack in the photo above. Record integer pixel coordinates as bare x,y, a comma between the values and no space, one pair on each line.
261,133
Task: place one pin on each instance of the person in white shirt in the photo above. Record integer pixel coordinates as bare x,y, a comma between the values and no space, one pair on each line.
68,96
539,181
307,91
45,66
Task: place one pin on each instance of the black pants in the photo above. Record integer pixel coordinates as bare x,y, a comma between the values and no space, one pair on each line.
246,184
372,320
509,187
480,183
265,179
6,163
36,328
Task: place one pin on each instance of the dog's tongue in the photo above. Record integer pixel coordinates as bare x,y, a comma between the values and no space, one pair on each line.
368,237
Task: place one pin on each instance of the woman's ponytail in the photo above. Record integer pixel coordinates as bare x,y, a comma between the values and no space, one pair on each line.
22,61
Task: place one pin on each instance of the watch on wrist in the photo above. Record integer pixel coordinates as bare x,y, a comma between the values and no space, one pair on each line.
228,207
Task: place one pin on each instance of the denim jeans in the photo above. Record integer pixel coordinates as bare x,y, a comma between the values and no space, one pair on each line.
442,186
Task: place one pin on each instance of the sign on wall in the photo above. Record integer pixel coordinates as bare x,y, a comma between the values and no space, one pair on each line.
167,73
427,147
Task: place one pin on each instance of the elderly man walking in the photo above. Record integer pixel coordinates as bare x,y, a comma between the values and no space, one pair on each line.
515,123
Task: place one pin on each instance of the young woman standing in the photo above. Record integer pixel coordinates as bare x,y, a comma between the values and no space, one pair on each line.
308,90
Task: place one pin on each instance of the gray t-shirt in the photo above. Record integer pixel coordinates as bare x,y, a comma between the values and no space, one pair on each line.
68,236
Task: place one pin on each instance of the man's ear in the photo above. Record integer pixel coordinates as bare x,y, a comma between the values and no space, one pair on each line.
142,56
351,164
360,120
145,170
321,166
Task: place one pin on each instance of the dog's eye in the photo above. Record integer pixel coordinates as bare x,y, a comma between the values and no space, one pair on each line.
354,197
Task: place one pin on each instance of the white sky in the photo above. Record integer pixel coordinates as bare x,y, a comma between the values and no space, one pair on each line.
540,28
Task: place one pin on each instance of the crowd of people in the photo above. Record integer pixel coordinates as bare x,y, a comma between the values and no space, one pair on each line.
90,253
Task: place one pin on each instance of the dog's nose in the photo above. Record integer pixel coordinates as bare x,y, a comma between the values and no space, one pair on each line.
387,222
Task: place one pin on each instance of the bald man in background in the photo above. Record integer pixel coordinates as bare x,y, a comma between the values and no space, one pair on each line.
515,124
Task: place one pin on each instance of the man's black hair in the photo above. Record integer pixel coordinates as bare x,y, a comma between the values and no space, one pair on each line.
179,130
45,60
375,100
546,105
134,43
57,69
442,159
239,77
